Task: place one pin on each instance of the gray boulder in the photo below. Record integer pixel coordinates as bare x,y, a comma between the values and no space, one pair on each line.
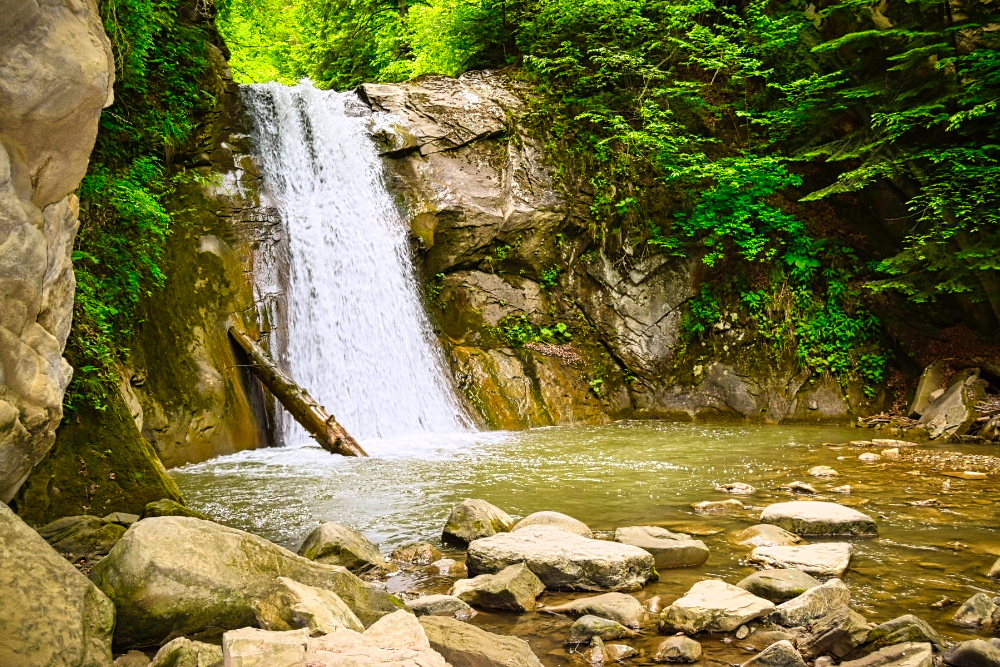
778,585
713,605
464,645
836,634
974,653
441,605
930,382
765,535
761,639
132,659
252,647
976,612
182,652
564,561
52,615
587,627
619,607
669,549
556,520
678,649
804,517
416,553
907,629
514,588
814,603
825,560
180,576
779,654
334,544
994,572
82,537
954,412
290,605
473,519
618,652
897,655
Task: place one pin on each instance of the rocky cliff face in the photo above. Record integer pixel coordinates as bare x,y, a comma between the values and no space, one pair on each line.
56,74
541,325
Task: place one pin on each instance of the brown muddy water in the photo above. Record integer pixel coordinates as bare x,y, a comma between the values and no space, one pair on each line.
625,474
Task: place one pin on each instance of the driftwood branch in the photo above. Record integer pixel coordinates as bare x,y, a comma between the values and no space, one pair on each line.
306,411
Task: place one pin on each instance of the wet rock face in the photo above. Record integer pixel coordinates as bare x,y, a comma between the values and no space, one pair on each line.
56,74
498,237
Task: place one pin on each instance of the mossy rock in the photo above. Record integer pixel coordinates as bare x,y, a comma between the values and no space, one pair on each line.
99,464
168,507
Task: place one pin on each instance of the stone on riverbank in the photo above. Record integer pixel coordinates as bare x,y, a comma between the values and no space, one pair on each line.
994,572
824,560
252,647
52,615
441,605
737,488
563,561
897,655
514,588
974,653
555,519
589,626
778,585
464,645
869,457
182,652
823,471
619,607
473,519
814,603
416,553
168,507
778,654
718,506
765,535
901,630
618,652
290,605
713,605
180,576
82,537
976,612
334,544
449,567
837,634
670,550
678,649
818,518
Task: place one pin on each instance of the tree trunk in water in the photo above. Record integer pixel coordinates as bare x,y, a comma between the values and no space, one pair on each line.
306,411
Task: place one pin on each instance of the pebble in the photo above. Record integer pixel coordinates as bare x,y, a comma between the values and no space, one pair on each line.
743,632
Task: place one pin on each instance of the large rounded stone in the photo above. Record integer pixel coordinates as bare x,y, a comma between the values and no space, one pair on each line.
473,519
587,627
555,519
514,588
765,535
179,576
465,645
678,649
778,585
417,553
619,607
669,549
804,517
290,605
836,634
976,612
814,603
901,630
334,544
778,654
182,652
564,561
713,605
441,605
51,614
82,537
974,653
825,560
168,507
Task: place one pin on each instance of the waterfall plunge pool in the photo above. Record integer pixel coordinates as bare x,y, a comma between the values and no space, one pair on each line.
623,474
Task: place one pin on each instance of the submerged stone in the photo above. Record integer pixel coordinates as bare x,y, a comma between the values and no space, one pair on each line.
619,607
589,626
765,535
556,520
678,649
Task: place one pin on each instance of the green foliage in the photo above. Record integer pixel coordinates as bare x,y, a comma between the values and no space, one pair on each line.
517,331
702,313
550,278
433,290
159,58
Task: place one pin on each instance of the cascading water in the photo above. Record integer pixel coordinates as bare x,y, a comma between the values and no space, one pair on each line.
357,337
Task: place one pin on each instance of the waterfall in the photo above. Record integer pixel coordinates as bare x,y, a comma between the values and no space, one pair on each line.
357,337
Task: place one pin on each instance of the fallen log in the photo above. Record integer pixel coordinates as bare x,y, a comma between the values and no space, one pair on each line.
303,408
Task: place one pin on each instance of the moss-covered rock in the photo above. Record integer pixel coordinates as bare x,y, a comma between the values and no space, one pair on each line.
86,538
84,474
168,507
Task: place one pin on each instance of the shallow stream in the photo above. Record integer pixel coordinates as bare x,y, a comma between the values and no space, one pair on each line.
630,473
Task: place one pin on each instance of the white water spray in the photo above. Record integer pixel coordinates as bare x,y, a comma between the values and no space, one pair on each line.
357,338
